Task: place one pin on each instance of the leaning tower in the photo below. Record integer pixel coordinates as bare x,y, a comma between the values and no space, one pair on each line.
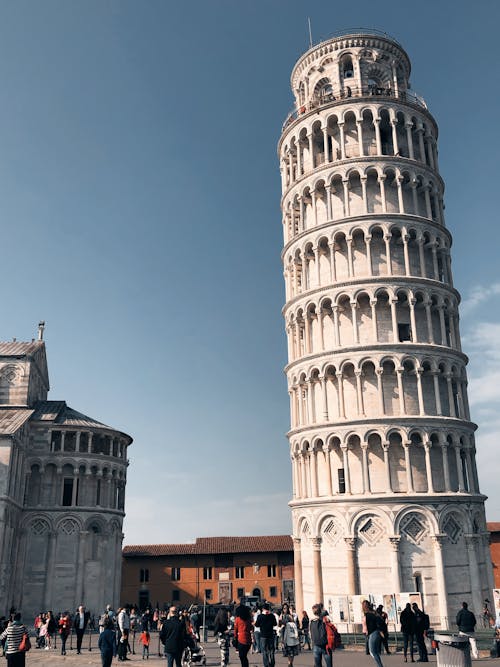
385,489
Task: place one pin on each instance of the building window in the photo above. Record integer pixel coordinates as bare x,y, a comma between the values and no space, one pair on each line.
208,593
272,592
271,570
176,574
98,493
207,573
67,498
239,572
341,477
176,596
144,576
240,592
404,332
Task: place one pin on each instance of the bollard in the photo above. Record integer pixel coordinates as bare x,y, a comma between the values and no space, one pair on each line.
90,639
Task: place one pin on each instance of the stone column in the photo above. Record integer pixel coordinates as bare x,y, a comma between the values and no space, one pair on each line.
297,560
460,472
396,576
80,570
446,467
342,140
313,463
341,395
380,391
387,466
351,543
359,125
323,381
359,394
366,476
376,122
440,578
325,144
409,476
50,570
381,180
409,140
428,468
421,407
476,588
318,572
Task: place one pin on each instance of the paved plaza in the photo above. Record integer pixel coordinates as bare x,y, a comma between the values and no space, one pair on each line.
351,657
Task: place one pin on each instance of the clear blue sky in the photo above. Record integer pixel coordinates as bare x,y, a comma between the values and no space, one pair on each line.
139,209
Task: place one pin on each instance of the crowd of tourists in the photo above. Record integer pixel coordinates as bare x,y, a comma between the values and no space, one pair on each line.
261,630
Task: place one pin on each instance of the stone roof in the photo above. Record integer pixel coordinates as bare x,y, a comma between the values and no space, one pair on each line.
19,349
11,419
214,545
59,413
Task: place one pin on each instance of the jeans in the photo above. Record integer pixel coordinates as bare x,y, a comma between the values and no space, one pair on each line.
267,648
408,641
375,644
106,659
243,653
173,657
256,641
318,653
422,650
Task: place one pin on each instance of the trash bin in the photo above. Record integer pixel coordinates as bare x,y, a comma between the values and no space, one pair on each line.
453,651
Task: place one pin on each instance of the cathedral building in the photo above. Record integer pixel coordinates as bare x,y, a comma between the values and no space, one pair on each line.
62,493
386,497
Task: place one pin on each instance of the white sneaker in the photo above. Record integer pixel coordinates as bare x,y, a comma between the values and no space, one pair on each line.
47,648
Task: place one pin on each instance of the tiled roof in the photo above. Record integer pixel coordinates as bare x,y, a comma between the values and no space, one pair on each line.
493,527
15,349
214,545
11,419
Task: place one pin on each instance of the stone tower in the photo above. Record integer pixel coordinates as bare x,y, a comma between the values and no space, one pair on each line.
385,489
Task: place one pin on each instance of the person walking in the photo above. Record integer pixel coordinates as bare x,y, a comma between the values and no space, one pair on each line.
289,635
266,621
256,631
80,624
173,637
243,628
145,639
107,642
407,620
319,638
466,622
304,626
64,630
222,625
421,626
374,632
385,639
14,634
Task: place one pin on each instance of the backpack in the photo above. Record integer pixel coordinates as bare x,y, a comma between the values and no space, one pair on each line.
291,634
337,639
321,636
334,638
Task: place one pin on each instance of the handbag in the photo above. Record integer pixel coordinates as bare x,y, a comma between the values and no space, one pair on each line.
25,644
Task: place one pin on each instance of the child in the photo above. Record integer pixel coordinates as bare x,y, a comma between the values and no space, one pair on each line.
145,644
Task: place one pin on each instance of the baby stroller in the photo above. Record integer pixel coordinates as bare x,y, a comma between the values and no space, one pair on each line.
194,653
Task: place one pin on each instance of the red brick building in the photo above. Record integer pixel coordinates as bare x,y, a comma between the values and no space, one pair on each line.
494,529
218,569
